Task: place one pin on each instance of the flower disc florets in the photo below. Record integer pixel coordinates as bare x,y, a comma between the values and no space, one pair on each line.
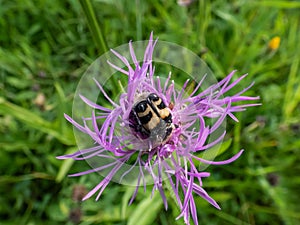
155,130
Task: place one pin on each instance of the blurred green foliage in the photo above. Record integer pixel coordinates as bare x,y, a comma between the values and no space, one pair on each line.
45,47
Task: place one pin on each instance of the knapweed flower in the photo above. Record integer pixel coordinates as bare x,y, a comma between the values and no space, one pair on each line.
159,130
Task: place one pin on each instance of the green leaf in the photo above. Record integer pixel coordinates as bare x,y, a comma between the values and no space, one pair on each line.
33,120
65,166
125,200
217,150
146,211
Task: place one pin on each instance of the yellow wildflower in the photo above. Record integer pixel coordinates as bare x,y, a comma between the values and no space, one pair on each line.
274,43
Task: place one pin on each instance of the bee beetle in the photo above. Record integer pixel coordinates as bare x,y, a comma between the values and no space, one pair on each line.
151,119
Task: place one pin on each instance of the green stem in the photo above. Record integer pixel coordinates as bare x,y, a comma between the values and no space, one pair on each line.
96,32
94,25
138,19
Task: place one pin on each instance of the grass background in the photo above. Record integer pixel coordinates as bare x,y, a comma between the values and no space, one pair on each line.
45,47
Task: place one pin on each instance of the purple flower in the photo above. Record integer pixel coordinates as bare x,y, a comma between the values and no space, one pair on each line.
158,131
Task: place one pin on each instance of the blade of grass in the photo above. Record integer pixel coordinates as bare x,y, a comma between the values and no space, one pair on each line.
65,166
230,218
138,20
279,4
142,215
96,31
35,121
94,25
